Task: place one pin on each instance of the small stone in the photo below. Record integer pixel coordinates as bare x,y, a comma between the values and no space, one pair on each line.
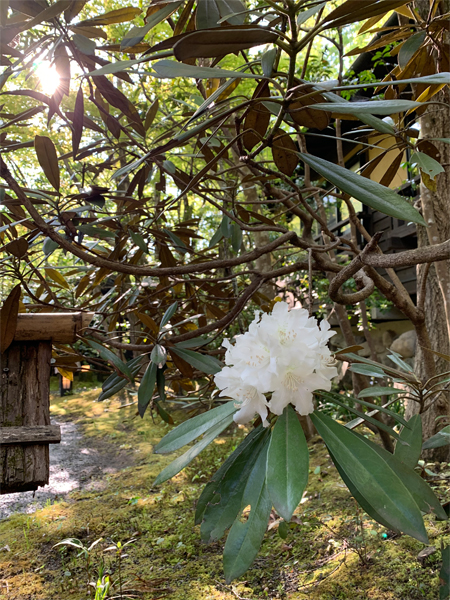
405,344
388,337
425,553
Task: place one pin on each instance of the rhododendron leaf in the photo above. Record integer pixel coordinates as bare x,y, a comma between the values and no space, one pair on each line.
372,477
223,499
333,395
419,489
169,314
369,419
441,438
369,192
147,387
182,461
378,390
112,358
193,428
367,370
396,358
202,362
245,538
221,478
412,435
114,383
364,504
287,464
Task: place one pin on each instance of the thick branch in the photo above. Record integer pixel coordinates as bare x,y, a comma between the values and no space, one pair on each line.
409,258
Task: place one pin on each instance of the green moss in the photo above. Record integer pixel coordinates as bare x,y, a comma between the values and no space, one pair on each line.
321,558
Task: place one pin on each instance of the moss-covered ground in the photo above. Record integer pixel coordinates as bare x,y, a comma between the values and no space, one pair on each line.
331,552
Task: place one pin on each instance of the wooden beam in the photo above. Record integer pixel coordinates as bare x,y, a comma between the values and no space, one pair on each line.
62,328
38,434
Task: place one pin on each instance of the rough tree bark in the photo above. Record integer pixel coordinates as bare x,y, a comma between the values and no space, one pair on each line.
435,123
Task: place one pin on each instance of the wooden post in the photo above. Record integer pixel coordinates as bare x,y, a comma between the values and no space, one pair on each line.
25,430
25,372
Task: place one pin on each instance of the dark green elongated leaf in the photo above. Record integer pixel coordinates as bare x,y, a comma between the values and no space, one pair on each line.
434,79
114,383
121,382
112,358
307,14
409,48
365,416
419,489
287,464
374,107
223,41
331,395
211,99
78,117
444,574
372,477
165,416
224,501
193,343
169,314
426,164
236,461
169,69
231,11
236,237
137,34
364,504
442,438
367,370
389,370
161,384
96,231
139,241
207,15
267,60
412,435
84,44
368,192
366,118
146,388
396,359
193,428
182,461
49,246
180,246
244,539
115,67
159,355
202,362
216,237
378,390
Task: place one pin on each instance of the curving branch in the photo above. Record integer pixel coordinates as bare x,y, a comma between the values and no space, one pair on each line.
129,269
354,269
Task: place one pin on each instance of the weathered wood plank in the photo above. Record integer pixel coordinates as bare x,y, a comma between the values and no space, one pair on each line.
39,434
24,401
62,328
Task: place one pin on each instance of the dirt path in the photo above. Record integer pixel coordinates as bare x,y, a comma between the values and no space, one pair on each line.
76,463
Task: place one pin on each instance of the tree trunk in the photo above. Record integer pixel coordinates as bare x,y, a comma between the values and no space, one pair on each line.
436,211
435,123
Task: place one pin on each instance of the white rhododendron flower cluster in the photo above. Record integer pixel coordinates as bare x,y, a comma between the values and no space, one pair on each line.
284,353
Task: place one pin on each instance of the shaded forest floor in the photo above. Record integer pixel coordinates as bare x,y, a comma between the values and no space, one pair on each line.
332,551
